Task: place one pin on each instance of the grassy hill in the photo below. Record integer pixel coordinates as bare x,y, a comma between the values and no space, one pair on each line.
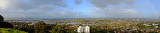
10,30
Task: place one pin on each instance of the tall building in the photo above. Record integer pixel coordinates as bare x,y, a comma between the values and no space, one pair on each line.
83,29
87,29
80,29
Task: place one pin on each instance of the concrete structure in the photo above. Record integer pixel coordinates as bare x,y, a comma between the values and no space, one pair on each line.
83,29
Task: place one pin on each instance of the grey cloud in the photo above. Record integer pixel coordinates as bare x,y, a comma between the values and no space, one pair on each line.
105,3
116,12
78,1
102,8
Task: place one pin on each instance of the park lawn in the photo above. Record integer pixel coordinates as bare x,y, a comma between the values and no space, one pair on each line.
10,30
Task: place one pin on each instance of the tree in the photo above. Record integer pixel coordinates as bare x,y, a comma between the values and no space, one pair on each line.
1,19
58,29
4,24
40,27
158,25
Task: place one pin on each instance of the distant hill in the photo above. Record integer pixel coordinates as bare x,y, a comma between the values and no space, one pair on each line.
10,30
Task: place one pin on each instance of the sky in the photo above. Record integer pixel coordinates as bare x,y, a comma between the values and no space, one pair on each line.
80,8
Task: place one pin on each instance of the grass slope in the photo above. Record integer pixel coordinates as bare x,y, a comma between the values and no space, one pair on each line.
10,30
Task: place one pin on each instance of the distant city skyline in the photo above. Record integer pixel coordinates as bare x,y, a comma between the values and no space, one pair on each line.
80,8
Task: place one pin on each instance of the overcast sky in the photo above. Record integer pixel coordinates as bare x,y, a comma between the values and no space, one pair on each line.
80,8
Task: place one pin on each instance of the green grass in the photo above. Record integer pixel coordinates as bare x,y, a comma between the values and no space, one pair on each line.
10,30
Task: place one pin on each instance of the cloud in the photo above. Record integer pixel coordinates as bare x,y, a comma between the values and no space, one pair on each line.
35,8
42,14
31,4
59,9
